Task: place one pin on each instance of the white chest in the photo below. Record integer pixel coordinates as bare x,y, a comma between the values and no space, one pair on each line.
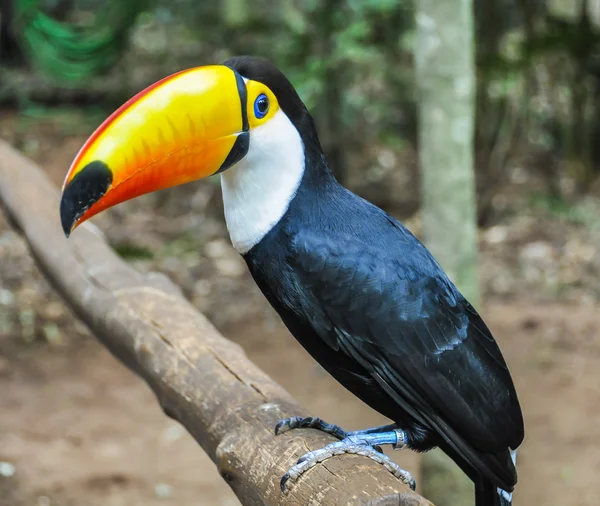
258,190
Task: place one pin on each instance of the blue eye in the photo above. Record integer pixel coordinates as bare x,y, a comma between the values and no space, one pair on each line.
261,106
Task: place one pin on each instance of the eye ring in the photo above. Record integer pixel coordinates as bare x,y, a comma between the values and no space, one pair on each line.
261,106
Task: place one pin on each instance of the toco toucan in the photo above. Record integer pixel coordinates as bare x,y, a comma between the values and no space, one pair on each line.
362,295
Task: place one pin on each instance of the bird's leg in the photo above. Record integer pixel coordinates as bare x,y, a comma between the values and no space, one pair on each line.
313,422
375,430
362,442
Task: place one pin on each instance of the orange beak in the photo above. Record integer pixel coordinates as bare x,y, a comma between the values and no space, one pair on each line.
187,126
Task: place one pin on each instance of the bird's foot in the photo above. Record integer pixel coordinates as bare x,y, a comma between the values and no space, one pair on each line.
364,443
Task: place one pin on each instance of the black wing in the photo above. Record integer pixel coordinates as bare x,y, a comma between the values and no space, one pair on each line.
398,315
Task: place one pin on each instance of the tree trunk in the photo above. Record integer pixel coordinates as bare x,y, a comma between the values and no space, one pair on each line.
444,60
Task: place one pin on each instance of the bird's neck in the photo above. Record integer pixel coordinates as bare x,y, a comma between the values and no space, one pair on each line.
258,190
280,164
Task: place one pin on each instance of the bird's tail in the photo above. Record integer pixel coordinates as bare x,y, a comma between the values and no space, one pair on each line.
487,494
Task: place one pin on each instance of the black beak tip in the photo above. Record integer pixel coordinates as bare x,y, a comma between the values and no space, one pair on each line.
67,219
84,190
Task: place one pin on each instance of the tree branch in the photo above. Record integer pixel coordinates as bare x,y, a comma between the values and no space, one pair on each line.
200,378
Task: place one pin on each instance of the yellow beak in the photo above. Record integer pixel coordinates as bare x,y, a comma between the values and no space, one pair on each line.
187,126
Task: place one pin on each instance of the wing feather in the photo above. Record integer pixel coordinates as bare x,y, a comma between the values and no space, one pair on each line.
400,317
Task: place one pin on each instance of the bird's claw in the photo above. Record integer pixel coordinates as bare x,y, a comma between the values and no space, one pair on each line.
288,424
309,422
303,458
313,458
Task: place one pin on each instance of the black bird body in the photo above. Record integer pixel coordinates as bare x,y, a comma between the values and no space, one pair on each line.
369,302
371,305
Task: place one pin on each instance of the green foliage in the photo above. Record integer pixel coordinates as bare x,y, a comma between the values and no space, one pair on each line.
130,251
81,50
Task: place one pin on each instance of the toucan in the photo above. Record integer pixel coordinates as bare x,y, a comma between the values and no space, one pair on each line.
355,287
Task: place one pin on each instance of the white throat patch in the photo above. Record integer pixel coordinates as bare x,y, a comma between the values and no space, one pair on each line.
258,190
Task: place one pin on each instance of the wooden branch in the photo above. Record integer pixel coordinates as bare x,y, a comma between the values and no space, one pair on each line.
200,378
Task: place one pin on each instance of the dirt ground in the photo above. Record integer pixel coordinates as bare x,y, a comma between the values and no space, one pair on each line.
78,429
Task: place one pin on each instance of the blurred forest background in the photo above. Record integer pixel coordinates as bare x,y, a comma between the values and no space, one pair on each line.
77,429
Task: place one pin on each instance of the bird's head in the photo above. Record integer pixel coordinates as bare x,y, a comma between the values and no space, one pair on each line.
188,126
